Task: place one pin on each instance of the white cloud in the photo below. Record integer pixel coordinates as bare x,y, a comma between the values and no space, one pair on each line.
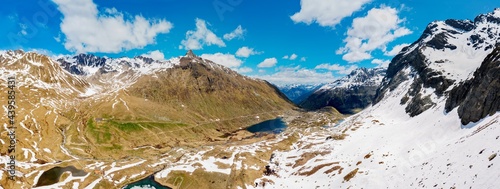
243,70
303,59
88,30
262,71
396,49
297,75
374,31
227,60
381,63
237,33
155,55
23,29
58,38
200,37
246,52
291,57
268,62
336,67
326,12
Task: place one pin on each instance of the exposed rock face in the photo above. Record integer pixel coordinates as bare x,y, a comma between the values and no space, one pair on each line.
448,52
349,94
75,66
478,97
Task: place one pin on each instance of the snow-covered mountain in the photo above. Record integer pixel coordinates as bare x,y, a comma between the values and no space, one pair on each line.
89,64
447,53
347,94
298,92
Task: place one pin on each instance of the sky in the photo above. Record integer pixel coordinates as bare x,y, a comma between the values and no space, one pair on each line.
282,41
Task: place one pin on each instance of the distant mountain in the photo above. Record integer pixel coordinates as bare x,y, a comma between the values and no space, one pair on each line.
298,92
348,94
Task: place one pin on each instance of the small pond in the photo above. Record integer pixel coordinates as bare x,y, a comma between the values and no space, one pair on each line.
53,175
270,126
148,182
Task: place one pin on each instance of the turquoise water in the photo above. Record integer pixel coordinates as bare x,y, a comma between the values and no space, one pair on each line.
270,126
146,183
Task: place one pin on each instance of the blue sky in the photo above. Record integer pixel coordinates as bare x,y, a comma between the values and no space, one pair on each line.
283,41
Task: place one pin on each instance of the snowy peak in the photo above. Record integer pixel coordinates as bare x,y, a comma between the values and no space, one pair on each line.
482,33
358,77
89,60
447,53
492,17
89,65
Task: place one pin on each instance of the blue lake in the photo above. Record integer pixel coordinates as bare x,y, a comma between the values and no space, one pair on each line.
146,183
270,126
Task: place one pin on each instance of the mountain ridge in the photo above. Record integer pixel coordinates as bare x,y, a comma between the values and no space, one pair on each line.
348,94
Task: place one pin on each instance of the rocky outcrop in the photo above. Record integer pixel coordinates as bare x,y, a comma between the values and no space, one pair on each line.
478,97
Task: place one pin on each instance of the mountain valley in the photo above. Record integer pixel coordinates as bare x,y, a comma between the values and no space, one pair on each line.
429,120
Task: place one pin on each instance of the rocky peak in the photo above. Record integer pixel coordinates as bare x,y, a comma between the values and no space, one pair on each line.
190,54
492,17
189,59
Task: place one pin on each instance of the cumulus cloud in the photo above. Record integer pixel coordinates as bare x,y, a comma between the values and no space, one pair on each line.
227,60
246,52
336,67
297,75
374,31
237,33
396,49
326,13
268,62
200,37
156,55
303,59
291,57
381,63
88,30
